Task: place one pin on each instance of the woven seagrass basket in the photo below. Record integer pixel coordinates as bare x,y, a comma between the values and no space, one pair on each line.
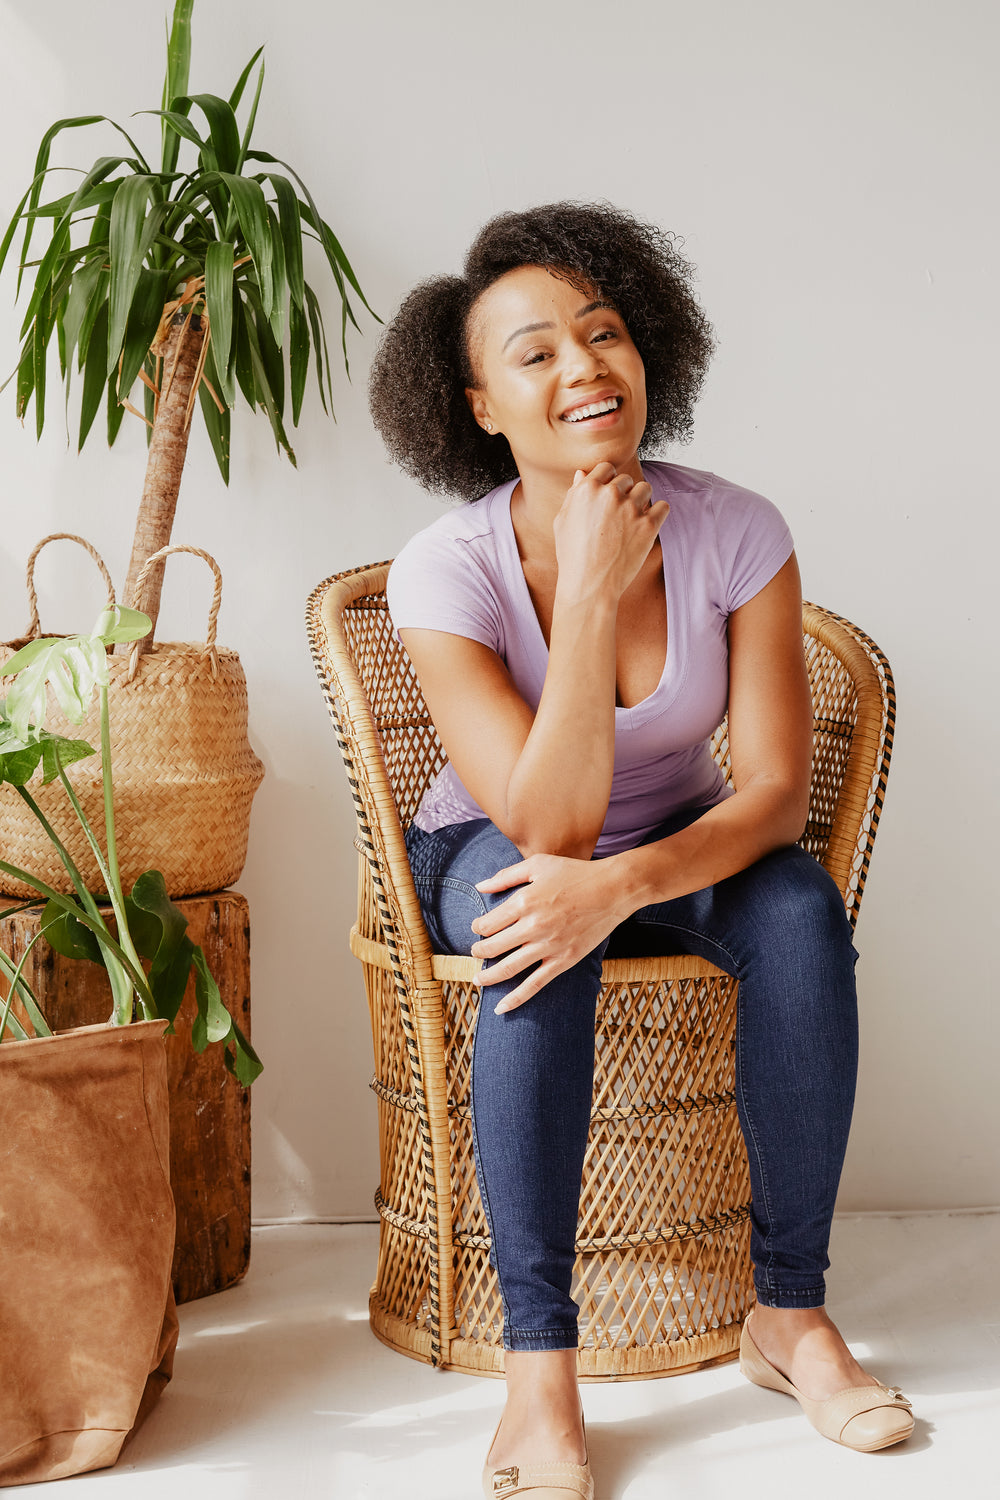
184,772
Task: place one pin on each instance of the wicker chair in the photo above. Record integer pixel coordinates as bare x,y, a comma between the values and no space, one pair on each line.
663,1271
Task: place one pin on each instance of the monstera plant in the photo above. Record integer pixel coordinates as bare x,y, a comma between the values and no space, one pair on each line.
187,276
144,923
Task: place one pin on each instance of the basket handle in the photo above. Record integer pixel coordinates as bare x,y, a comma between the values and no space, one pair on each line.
213,609
34,627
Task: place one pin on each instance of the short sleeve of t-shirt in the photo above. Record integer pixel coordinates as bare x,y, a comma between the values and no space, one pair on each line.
440,580
753,541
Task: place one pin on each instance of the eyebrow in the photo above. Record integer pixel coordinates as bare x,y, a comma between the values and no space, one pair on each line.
537,327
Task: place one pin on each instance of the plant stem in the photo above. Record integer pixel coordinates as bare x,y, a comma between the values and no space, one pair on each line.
72,869
19,985
97,926
164,467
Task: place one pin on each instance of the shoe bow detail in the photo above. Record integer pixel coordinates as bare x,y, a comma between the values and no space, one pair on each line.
897,1396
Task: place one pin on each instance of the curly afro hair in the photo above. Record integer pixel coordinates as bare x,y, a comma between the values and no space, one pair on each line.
423,363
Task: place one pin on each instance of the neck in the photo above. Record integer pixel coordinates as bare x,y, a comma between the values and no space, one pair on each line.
537,499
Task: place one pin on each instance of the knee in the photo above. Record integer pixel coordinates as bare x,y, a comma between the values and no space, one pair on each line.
798,903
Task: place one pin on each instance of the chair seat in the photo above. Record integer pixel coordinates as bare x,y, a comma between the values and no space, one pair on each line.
613,971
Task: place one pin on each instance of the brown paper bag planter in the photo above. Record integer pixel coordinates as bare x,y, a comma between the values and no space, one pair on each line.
184,772
87,1319
209,1111
663,1266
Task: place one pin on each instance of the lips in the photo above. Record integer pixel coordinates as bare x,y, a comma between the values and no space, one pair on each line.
601,408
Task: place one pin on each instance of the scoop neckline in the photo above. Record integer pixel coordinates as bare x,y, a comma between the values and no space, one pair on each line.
666,690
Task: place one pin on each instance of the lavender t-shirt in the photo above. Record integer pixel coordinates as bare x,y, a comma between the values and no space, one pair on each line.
721,544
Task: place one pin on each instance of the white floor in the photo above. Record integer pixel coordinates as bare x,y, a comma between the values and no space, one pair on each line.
281,1390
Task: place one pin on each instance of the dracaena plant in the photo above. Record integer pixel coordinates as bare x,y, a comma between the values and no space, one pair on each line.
187,277
144,924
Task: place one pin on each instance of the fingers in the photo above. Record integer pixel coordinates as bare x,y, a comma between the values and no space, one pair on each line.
511,875
527,990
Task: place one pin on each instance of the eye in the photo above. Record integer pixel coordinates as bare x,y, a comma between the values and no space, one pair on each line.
534,357
605,333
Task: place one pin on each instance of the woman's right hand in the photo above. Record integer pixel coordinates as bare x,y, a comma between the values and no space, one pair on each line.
604,532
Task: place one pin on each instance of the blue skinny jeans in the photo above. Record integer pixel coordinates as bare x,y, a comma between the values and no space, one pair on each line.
781,929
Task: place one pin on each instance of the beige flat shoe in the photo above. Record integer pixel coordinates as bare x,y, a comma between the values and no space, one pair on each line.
540,1481
864,1417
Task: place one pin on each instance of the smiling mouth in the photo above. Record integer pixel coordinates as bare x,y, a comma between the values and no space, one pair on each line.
595,409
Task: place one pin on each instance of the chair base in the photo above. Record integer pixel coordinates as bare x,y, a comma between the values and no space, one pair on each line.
720,1346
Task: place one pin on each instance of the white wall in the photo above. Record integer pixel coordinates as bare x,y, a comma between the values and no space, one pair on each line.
831,170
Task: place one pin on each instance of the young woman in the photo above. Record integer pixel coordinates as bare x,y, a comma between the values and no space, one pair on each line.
578,631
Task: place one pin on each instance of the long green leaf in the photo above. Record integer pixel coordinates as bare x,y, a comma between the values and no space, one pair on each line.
12,226
85,283
25,378
219,258
178,71
175,120
241,82
151,292
223,132
73,203
95,372
40,343
278,279
114,410
334,251
251,211
298,357
43,277
242,360
128,225
291,234
97,301
218,425
41,167
252,117
256,332
322,353
268,350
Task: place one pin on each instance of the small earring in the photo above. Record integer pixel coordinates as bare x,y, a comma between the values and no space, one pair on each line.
488,426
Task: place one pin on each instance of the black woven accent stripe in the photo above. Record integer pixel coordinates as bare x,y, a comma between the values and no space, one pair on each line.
880,775
669,1234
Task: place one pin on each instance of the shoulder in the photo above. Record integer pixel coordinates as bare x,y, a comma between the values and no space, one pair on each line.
698,493
742,532
462,529
446,577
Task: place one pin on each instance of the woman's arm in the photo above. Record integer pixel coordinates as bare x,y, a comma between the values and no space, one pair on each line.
562,911
544,778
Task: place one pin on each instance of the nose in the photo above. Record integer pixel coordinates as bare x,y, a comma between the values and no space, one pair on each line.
584,362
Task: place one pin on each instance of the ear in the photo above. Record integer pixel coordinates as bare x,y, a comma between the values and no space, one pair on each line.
478,407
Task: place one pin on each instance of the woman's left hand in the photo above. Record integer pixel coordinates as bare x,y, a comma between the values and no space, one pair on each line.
561,910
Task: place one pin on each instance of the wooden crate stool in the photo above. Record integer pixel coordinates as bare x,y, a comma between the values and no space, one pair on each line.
663,1270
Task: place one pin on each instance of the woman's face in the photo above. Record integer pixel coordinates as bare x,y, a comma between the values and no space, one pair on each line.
558,375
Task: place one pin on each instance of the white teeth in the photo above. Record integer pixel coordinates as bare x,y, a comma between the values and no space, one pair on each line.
595,409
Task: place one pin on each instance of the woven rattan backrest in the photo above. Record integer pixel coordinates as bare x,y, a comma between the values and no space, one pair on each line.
392,750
